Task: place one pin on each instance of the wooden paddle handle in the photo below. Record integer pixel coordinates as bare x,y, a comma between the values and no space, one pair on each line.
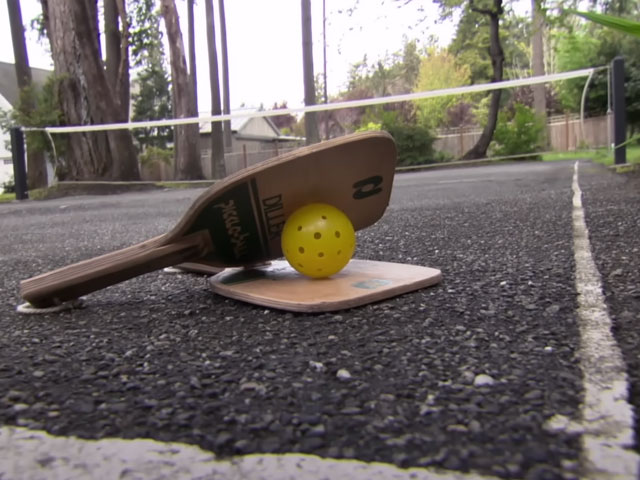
73,281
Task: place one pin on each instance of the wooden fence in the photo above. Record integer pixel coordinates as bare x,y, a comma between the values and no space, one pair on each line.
565,133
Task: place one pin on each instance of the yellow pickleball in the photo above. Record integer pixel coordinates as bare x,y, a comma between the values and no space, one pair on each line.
318,240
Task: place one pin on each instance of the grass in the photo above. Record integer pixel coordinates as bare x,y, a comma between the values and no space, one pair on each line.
578,154
7,197
606,157
601,155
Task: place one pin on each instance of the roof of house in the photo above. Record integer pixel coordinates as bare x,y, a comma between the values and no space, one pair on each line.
9,85
238,123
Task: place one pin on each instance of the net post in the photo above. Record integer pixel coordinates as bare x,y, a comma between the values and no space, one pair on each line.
619,111
19,163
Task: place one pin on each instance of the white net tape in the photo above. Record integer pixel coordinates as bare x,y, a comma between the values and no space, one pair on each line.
484,87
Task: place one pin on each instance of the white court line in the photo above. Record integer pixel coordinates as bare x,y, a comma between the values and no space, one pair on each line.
36,455
607,417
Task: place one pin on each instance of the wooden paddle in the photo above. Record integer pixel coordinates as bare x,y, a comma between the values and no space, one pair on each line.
237,222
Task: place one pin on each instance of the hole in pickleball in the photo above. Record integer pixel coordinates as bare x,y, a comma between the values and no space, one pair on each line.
337,234
339,252
300,265
317,235
321,254
324,217
299,228
301,249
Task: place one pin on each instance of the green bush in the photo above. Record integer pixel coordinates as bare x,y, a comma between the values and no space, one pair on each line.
154,155
9,186
518,131
413,142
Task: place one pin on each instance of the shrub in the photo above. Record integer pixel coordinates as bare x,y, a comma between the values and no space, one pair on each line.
413,142
9,186
518,131
154,155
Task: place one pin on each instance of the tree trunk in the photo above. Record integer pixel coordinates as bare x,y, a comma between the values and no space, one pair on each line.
193,71
36,163
218,168
226,100
117,54
479,150
188,165
310,121
86,97
537,58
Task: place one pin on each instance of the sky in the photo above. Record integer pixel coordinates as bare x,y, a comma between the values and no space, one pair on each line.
264,43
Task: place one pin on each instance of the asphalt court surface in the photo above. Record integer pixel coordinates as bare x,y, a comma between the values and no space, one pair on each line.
464,377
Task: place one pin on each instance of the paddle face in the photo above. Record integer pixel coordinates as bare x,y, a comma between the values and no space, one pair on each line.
277,285
245,215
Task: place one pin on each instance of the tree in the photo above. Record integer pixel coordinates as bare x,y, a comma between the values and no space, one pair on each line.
311,126
537,58
36,166
191,35
471,44
439,70
117,54
187,160
286,122
226,100
86,96
491,11
574,50
152,95
218,168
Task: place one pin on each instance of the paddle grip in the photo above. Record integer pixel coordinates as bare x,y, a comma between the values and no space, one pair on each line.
71,282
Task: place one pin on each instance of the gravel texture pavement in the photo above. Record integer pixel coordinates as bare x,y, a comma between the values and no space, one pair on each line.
463,376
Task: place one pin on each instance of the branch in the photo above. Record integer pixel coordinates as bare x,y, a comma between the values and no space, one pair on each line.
484,11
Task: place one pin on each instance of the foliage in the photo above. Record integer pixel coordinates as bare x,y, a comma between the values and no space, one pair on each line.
154,155
471,43
413,142
152,101
9,186
518,131
439,70
283,122
47,113
392,75
152,92
574,50
146,36
620,38
620,24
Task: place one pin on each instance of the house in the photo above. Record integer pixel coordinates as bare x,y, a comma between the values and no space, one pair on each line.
9,98
253,139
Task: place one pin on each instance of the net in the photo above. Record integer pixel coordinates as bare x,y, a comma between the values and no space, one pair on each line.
256,138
